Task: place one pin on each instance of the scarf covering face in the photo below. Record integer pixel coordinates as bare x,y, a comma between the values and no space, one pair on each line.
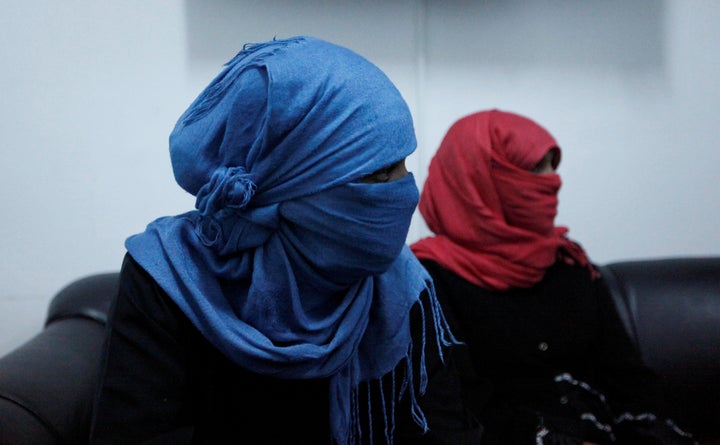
493,219
290,265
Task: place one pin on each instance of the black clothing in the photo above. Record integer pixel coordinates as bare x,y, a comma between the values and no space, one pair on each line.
551,363
163,383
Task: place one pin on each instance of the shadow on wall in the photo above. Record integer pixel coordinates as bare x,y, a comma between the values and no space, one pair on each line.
615,34
377,29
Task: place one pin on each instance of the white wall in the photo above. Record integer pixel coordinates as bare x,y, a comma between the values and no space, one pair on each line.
91,90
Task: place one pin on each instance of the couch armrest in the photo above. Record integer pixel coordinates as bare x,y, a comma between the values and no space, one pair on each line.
47,384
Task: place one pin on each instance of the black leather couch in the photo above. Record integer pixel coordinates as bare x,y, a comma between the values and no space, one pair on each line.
670,307
47,383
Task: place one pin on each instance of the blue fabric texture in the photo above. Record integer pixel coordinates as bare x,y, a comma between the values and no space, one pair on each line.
290,265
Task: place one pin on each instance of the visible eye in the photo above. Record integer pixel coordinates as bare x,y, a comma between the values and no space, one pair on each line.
546,164
387,174
382,175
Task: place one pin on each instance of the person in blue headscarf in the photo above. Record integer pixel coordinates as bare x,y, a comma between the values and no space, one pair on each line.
286,307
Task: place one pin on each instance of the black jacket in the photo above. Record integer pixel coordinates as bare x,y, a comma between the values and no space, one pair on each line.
552,363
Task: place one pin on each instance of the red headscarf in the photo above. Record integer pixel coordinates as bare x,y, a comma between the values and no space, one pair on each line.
493,219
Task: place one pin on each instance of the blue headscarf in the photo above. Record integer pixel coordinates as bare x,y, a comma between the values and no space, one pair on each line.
290,265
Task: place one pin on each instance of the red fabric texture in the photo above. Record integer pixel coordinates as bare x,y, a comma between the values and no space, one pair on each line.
493,219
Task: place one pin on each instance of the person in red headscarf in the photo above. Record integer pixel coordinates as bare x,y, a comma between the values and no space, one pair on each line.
547,357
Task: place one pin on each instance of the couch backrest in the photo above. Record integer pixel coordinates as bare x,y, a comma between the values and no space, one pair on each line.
671,309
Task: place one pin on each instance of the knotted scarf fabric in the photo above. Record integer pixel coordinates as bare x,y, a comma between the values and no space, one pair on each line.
493,219
290,265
